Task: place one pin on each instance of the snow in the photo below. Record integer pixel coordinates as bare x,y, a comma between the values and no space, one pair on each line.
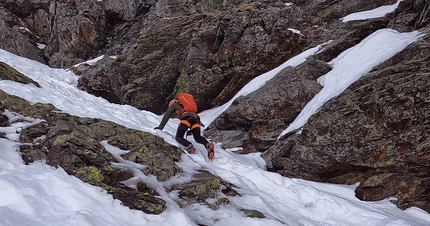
41,46
295,31
370,14
25,29
41,195
90,62
351,65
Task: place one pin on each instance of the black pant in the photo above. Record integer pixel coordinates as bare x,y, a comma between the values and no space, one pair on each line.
193,122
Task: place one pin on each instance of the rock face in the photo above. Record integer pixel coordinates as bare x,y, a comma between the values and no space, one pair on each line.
209,54
375,133
16,37
257,119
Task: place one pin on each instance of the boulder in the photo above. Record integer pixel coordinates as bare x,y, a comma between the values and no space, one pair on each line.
262,115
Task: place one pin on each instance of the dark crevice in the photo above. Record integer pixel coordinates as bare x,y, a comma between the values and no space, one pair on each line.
424,17
220,34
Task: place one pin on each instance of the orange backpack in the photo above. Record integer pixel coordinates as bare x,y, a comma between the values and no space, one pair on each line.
187,102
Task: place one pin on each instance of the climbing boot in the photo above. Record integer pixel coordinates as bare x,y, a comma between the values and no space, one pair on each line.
190,149
211,153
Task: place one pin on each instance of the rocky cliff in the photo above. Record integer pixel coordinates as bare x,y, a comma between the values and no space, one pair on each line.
375,132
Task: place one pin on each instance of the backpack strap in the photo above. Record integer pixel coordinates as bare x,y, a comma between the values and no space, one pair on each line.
197,125
186,120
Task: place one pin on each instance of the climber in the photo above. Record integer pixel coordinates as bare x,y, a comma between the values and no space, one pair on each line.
185,109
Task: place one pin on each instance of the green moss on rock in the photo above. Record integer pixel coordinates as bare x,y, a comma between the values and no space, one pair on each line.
156,208
16,104
90,174
93,176
216,183
9,73
182,85
60,139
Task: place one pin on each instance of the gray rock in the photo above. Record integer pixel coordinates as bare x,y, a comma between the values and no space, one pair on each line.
376,133
17,38
262,115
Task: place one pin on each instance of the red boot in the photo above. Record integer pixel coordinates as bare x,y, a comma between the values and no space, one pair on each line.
211,153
